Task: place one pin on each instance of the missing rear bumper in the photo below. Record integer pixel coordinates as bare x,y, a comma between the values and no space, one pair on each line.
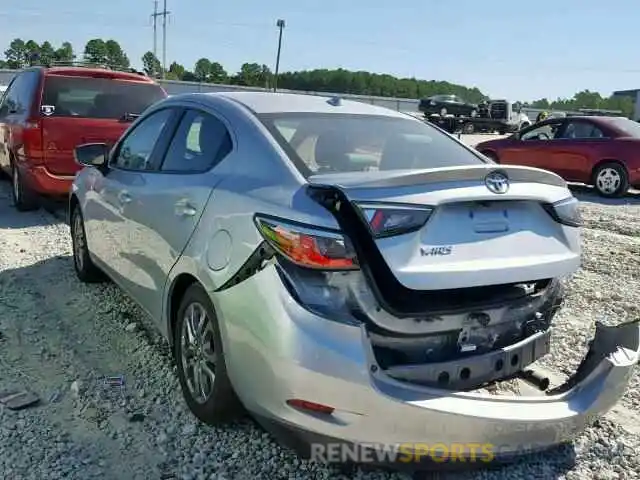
470,372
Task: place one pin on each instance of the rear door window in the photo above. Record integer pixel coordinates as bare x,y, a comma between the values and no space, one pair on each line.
104,98
200,142
581,129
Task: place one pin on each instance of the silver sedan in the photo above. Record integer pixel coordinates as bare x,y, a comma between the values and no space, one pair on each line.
350,275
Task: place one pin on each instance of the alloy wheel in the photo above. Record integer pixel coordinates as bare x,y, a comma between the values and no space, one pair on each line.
608,180
198,353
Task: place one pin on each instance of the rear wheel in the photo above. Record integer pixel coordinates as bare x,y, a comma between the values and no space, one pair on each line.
85,269
24,199
200,359
611,179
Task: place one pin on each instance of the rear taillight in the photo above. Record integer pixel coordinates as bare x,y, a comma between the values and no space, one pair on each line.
566,212
387,219
308,246
32,141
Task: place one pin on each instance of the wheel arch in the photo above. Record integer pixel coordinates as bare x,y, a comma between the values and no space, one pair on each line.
177,290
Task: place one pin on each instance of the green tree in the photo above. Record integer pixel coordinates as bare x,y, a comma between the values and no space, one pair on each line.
32,51
47,53
217,73
151,65
95,51
16,55
202,69
64,53
176,71
188,76
252,75
115,55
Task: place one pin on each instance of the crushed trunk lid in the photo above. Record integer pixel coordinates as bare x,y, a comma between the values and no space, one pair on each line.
473,237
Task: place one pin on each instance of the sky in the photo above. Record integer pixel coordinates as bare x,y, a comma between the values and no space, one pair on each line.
512,49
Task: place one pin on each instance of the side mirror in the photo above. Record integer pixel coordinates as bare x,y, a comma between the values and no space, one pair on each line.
92,154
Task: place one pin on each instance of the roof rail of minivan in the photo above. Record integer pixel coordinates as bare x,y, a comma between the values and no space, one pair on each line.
85,64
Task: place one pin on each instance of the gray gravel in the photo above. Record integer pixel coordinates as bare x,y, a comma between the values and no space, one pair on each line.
60,338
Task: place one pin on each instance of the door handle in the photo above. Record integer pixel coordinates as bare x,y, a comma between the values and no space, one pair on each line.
124,197
184,209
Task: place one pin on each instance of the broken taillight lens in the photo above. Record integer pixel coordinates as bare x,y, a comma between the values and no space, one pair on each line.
308,246
386,220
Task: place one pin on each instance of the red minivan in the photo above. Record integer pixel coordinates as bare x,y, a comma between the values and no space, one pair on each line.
46,112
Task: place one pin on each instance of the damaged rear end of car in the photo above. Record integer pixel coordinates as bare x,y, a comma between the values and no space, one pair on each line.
453,277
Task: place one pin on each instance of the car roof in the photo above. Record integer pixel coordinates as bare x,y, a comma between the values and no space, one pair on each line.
270,102
97,73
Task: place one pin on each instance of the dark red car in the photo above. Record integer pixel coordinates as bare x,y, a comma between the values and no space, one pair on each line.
46,112
599,151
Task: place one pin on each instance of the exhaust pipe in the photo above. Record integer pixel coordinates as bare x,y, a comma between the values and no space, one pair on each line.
536,377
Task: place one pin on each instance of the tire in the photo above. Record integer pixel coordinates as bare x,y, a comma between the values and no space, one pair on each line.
24,199
468,128
220,405
85,269
611,180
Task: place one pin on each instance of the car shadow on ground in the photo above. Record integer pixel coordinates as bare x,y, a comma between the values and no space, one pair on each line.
587,194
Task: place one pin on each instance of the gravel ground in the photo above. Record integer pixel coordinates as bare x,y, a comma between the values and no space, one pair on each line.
60,338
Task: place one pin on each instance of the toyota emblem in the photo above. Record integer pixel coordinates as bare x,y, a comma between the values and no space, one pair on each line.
497,182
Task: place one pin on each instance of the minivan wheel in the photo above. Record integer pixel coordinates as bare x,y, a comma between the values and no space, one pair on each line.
85,269
611,180
200,360
24,199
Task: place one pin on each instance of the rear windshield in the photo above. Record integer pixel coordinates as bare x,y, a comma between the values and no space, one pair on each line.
631,128
89,97
333,143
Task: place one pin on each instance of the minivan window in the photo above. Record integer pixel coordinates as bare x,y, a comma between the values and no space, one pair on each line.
328,143
91,97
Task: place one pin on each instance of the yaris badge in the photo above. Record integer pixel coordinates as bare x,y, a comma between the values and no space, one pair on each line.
497,182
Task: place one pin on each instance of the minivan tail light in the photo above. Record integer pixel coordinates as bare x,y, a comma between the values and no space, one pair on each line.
566,212
387,220
308,246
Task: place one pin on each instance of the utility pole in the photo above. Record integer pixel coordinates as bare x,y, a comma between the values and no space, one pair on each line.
164,39
164,14
154,17
280,24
